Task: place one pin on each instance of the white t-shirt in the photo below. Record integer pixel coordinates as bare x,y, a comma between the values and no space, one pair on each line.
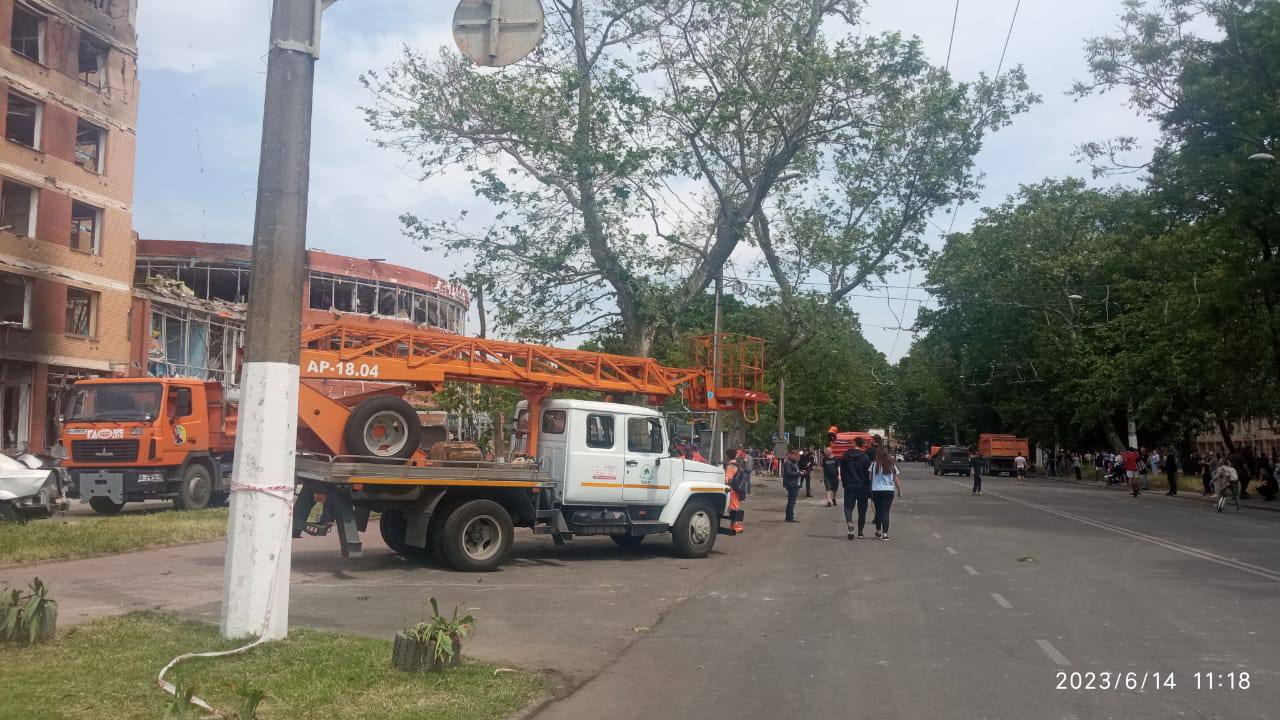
1020,462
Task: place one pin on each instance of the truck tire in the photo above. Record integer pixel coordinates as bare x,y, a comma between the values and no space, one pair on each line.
219,499
476,536
105,506
9,514
393,525
694,533
196,488
383,427
627,541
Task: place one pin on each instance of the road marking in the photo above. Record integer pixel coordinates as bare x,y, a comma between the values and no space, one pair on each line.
1167,544
1001,601
1052,652
951,550
969,569
936,536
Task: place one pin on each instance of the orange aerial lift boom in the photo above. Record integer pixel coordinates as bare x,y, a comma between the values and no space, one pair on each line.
425,359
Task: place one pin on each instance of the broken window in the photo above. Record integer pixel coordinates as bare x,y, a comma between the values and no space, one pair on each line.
433,312
15,300
22,121
90,140
26,36
82,307
419,308
18,208
366,298
321,293
92,61
344,295
387,301
86,221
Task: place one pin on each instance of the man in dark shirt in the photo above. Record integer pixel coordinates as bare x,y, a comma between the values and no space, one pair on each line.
855,475
975,467
791,481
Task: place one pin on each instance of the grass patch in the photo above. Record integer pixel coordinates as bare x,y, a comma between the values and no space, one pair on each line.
48,540
107,669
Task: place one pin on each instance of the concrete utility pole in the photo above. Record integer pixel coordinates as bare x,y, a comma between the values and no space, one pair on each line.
255,590
717,433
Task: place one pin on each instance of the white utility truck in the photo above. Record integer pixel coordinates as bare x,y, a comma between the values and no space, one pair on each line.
602,469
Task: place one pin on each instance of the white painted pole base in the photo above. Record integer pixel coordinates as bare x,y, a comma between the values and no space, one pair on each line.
255,587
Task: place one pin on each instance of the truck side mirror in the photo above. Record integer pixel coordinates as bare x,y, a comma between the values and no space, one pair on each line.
657,462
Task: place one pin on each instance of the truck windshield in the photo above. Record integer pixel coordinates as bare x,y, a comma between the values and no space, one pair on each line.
123,401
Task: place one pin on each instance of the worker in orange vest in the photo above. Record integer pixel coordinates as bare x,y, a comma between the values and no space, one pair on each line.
737,482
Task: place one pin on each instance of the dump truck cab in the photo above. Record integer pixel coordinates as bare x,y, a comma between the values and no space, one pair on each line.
134,439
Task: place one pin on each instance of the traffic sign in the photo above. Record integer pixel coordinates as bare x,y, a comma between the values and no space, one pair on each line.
799,431
497,32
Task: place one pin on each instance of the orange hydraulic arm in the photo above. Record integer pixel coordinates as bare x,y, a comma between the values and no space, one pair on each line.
426,358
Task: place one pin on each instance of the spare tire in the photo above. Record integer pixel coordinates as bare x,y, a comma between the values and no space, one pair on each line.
383,427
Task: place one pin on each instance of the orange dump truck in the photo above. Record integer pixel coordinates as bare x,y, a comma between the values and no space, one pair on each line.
998,452
133,439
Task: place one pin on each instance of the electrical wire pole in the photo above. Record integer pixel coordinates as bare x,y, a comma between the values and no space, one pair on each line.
255,590
717,432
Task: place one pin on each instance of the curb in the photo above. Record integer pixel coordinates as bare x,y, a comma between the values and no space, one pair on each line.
1250,503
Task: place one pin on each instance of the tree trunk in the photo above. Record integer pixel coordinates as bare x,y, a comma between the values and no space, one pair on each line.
1113,437
955,433
1224,429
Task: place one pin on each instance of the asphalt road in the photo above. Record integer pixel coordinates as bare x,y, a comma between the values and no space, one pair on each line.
971,611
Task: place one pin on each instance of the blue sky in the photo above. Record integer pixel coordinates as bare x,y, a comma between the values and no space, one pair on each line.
203,69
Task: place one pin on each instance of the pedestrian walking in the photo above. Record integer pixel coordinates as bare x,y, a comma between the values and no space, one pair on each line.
1225,482
1099,462
1144,469
975,469
1077,462
1020,464
791,481
806,470
830,474
1207,466
1130,461
1171,470
855,475
886,483
736,478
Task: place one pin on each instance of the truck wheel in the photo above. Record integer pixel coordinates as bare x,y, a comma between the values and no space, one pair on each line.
694,533
393,525
219,499
627,540
105,506
383,427
196,489
477,536
935,469
9,513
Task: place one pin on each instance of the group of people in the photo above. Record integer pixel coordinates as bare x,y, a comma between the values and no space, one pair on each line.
869,477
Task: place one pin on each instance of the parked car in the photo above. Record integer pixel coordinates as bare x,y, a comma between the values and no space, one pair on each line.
951,459
29,488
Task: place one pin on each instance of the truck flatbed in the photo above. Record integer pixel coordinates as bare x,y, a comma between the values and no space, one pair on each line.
351,470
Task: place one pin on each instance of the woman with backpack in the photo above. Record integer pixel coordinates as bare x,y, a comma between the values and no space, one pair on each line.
886,484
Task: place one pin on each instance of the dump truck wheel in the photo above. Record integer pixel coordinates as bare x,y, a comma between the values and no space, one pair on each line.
694,533
477,536
383,427
196,489
105,506
393,526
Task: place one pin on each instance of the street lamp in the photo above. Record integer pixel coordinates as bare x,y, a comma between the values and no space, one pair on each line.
1262,157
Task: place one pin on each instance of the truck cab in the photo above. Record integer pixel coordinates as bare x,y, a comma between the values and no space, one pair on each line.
134,439
614,459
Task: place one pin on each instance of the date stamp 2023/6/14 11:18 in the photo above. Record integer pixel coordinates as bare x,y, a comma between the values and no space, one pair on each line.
1140,680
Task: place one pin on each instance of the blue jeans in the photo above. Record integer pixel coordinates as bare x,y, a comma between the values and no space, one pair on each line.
792,494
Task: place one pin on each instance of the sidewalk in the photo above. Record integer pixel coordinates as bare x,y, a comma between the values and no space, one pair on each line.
1253,502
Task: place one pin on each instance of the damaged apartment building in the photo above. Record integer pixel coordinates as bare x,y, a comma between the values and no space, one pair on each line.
69,98
190,299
